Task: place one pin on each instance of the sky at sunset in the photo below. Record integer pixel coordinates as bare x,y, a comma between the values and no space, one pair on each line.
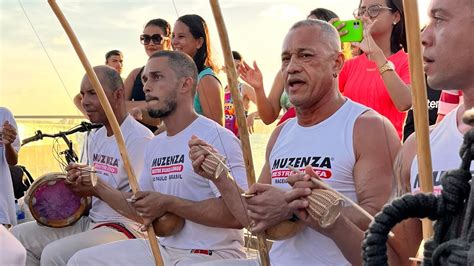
29,84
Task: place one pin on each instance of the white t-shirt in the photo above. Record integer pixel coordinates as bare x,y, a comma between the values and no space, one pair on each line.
104,155
7,197
445,143
328,147
168,170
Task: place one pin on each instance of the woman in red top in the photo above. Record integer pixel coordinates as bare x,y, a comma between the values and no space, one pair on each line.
380,78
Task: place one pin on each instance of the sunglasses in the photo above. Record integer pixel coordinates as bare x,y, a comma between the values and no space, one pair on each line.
372,11
157,39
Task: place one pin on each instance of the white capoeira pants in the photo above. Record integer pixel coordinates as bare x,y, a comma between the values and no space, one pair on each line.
12,253
230,262
55,246
137,252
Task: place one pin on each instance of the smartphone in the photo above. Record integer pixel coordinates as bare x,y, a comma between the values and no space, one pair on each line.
354,30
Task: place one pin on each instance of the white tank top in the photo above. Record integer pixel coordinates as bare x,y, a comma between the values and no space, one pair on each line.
328,147
445,142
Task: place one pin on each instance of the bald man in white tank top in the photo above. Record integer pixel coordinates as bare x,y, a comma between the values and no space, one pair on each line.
348,145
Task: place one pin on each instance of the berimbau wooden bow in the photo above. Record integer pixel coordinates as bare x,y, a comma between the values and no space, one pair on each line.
240,113
110,116
420,109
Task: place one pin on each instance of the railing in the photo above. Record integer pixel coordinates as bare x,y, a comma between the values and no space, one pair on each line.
39,156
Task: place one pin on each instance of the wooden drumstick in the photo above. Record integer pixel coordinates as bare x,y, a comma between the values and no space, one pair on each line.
321,183
240,113
420,109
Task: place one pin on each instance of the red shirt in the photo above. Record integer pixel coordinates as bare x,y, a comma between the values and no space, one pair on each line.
361,82
289,114
448,101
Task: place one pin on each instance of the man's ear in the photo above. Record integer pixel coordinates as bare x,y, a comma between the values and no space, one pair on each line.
339,62
118,95
187,86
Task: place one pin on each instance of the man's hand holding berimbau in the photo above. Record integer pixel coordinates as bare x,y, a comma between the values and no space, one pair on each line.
81,179
267,207
206,160
297,197
150,205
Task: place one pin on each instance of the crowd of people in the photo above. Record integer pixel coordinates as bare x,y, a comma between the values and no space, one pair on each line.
346,121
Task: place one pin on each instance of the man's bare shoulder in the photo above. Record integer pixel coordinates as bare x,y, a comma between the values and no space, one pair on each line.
273,138
404,161
371,127
371,118
409,147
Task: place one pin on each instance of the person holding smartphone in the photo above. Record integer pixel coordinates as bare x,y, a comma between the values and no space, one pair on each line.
380,78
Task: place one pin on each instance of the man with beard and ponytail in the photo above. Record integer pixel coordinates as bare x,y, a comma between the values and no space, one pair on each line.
54,246
169,184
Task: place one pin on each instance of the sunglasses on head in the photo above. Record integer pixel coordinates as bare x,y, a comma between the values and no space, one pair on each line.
157,39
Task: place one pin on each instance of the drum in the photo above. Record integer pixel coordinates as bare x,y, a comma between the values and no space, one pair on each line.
284,230
52,203
168,225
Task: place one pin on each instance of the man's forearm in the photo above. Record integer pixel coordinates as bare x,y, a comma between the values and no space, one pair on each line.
265,108
230,193
117,200
357,218
344,229
348,238
11,155
211,212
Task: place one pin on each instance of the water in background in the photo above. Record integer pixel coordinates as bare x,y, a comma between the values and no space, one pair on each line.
42,156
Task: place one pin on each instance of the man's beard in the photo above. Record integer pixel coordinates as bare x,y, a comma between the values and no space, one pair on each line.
165,111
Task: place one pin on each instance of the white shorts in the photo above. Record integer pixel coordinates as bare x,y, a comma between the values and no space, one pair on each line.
138,252
11,250
55,246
